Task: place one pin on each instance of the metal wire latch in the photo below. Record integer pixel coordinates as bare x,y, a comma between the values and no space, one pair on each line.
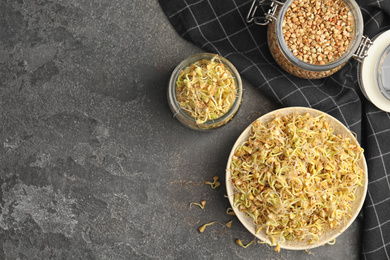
362,50
265,18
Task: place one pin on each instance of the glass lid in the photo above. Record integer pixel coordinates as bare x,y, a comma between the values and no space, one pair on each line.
383,73
374,74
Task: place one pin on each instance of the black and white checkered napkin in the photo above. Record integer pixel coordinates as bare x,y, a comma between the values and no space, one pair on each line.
220,26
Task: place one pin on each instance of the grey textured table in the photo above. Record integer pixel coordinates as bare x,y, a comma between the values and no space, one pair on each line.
93,165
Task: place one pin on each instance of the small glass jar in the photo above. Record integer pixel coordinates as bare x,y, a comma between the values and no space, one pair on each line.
185,118
282,53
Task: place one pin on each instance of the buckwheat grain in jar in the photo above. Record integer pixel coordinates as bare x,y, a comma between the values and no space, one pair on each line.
312,39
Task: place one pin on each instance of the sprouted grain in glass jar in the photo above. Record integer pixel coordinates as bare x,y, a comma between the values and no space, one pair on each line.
295,177
206,90
318,32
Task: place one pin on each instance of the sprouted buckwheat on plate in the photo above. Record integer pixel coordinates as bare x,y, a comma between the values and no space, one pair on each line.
295,178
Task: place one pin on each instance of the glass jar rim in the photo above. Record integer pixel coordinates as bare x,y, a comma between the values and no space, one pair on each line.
358,33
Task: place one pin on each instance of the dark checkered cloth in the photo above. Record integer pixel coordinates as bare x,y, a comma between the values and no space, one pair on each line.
220,26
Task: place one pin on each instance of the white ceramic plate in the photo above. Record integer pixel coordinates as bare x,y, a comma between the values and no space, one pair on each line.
356,206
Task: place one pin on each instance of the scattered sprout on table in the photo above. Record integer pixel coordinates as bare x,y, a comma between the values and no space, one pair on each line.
230,212
229,224
277,248
239,242
215,184
201,205
202,228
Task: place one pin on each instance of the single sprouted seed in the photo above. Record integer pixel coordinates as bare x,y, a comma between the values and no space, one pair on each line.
309,252
202,228
239,242
229,223
332,242
201,205
230,212
277,248
215,184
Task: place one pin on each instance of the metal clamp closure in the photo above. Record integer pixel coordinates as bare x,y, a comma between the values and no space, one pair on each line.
362,50
265,18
